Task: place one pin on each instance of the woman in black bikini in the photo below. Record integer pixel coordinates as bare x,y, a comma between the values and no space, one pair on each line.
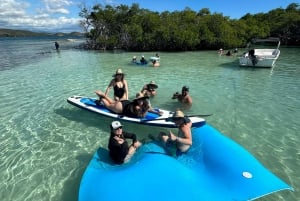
119,84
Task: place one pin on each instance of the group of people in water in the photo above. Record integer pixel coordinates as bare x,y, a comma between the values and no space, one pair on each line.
228,53
119,149
155,61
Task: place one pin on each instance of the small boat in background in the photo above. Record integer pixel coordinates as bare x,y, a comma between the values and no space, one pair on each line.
259,55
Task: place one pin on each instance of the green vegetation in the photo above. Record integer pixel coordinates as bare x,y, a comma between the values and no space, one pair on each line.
136,29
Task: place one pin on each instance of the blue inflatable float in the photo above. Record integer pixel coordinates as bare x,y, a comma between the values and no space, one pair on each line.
215,169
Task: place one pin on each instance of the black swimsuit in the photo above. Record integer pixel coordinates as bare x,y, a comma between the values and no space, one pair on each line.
119,92
128,108
118,151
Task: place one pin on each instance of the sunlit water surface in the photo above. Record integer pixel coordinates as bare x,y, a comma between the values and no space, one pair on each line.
46,143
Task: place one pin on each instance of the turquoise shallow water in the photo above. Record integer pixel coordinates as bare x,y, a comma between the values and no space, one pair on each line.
46,143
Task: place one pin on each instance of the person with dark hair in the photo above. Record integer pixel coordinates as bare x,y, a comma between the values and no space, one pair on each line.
228,53
183,140
56,45
184,97
120,86
138,107
252,56
143,60
149,89
118,147
155,63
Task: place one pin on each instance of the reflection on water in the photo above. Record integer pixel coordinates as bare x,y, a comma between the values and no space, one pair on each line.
47,143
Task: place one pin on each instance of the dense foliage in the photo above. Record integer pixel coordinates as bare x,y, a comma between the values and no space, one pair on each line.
136,29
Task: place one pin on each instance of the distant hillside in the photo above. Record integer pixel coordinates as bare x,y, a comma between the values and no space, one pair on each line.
23,33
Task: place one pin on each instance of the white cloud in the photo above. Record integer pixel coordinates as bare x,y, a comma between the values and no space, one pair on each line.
57,6
52,15
9,8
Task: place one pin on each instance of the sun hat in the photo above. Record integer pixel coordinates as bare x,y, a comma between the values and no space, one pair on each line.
118,72
178,114
152,83
116,124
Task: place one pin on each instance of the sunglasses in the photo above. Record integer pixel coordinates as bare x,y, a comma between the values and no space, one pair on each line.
118,128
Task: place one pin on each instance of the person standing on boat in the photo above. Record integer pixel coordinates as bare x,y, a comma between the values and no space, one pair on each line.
149,89
119,149
184,97
120,86
183,140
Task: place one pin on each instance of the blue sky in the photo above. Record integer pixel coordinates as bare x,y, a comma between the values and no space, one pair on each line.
62,15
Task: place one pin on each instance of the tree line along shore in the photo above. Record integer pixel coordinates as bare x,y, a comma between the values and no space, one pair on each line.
136,29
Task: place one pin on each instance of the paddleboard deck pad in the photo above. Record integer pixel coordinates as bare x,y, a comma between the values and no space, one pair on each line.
151,119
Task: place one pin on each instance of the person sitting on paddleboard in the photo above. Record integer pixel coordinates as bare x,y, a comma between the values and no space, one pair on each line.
120,86
184,97
149,89
138,107
119,150
183,140
147,102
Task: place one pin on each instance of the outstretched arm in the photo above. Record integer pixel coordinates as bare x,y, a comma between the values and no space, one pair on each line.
111,84
126,90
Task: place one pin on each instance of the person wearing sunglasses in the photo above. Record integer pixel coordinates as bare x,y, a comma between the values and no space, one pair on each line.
149,89
119,149
119,85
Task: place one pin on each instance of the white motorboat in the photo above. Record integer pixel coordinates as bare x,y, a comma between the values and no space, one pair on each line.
259,54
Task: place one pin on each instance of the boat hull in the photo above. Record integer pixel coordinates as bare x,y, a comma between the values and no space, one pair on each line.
258,55
263,58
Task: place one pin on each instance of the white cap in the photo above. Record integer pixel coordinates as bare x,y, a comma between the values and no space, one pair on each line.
116,124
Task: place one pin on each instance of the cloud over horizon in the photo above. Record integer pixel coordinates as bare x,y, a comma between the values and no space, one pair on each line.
46,15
